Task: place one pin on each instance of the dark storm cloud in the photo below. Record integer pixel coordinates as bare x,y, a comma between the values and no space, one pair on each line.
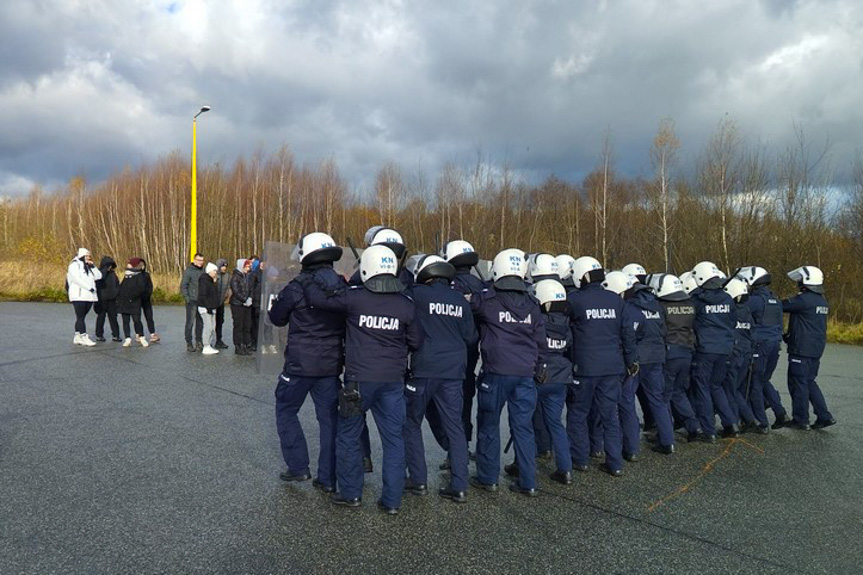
95,86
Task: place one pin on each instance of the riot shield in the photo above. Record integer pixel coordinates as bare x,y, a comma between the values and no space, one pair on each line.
277,269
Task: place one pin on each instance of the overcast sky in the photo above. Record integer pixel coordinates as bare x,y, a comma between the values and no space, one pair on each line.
88,87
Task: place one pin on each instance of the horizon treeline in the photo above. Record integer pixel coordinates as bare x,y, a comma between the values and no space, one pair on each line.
737,204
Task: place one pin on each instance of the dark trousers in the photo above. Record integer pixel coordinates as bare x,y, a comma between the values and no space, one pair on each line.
736,387
603,392
291,392
708,375
81,309
136,319
629,428
519,395
804,390
446,396
469,391
550,400
541,433
193,318
242,318
387,404
107,309
652,381
764,364
253,326
676,373
220,321
147,308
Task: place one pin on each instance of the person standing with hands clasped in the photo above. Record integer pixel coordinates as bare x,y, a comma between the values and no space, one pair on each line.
189,291
208,301
81,278
241,307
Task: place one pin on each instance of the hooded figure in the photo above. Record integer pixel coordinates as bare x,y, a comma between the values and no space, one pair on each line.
241,307
107,290
132,292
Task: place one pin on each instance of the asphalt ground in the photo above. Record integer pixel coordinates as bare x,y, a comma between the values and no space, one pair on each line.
131,460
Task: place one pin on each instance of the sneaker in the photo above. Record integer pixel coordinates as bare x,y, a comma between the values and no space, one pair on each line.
142,340
199,346
116,338
85,340
127,342
99,338
221,345
77,339
274,349
209,350
154,338
190,347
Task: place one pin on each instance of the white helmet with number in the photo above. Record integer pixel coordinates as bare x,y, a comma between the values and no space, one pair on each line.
668,287
564,265
688,281
509,263
548,291
736,287
376,261
316,248
618,282
460,253
809,276
753,275
541,265
636,270
380,235
432,266
582,266
706,271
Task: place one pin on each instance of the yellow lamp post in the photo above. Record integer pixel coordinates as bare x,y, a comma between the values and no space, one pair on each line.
193,244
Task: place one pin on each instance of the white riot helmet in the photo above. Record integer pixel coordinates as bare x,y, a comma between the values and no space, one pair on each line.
432,266
688,281
376,261
564,265
753,275
809,276
736,287
508,269
316,248
412,262
667,287
543,265
636,270
380,235
460,253
548,291
618,282
706,271
582,266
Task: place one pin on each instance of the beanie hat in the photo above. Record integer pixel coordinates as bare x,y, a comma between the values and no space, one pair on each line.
221,263
211,267
82,252
135,262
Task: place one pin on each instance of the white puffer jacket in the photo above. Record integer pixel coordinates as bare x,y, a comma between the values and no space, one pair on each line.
81,283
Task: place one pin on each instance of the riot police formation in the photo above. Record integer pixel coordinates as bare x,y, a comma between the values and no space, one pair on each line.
564,344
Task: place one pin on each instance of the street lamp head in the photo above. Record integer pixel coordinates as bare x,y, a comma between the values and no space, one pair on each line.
203,109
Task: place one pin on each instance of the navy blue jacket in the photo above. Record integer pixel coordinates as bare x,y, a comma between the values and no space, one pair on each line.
448,330
744,332
602,343
466,282
315,337
680,335
557,352
807,324
714,321
766,313
381,327
647,318
512,331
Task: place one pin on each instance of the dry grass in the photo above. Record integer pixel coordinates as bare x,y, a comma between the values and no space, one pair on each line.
40,281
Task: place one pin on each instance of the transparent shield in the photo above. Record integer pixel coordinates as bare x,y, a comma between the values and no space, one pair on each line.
277,269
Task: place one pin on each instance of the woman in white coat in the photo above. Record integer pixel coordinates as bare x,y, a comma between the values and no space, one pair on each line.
81,280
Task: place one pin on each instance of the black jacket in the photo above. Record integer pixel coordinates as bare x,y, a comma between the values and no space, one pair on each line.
108,287
132,291
208,293
240,288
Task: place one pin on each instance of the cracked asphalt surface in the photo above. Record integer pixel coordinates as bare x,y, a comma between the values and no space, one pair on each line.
131,460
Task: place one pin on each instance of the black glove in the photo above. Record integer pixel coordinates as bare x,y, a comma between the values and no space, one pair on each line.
632,369
349,400
540,373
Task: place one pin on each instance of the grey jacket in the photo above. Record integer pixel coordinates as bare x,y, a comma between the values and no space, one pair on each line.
223,281
189,283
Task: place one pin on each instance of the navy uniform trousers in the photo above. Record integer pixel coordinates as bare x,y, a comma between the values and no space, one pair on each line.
708,375
736,388
651,379
291,393
604,390
764,363
446,396
550,400
387,404
677,378
519,395
804,390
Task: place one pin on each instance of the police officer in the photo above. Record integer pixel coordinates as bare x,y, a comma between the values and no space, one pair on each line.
714,330
313,361
381,328
564,271
464,258
604,351
807,337
739,370
766,311
511,333
384,236
680,344
437,369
